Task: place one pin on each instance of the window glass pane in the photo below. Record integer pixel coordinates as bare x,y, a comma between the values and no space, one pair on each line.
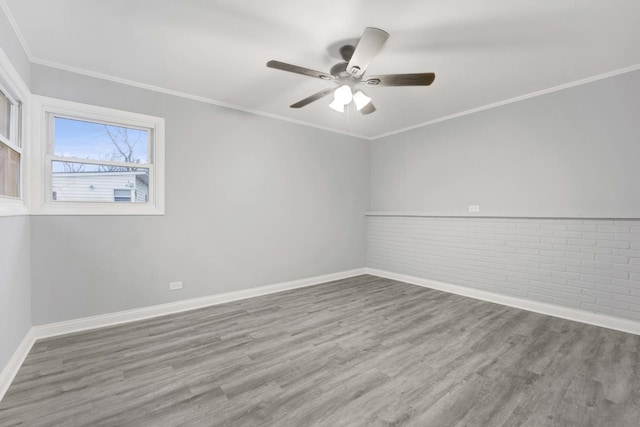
96,141
81,182
5,116
9,172
121,195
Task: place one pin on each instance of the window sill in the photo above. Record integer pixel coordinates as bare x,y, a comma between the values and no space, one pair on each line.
12,207
70,208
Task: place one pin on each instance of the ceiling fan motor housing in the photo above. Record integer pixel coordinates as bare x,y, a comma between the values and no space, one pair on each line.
340,69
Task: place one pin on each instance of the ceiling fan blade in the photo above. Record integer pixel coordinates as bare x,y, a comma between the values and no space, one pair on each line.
416,79
368,109
368,47
299,70
308,100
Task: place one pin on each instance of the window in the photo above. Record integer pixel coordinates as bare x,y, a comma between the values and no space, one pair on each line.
14,95
95,158
10,145
10,152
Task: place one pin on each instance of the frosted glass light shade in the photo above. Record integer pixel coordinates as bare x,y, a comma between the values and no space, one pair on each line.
336,105
361,100
343,95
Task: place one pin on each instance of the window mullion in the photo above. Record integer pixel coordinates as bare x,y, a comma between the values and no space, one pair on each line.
98,162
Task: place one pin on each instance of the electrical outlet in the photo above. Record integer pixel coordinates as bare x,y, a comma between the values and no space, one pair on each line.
173,286
474,208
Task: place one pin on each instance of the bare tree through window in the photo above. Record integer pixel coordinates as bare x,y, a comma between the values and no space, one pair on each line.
123,148
124,144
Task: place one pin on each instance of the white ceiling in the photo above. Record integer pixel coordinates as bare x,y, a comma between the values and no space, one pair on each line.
482,51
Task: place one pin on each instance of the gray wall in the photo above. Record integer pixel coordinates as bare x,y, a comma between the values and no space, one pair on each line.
15,288
250,201
15,257
571,153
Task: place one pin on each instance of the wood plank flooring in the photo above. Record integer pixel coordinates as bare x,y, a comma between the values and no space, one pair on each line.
363,351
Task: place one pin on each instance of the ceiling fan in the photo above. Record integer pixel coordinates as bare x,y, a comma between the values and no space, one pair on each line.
350,74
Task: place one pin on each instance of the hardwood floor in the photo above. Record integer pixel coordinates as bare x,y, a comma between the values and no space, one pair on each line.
363,351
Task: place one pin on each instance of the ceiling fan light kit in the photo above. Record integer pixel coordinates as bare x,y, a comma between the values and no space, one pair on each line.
343,95
337,106
350,73
361,100
341,98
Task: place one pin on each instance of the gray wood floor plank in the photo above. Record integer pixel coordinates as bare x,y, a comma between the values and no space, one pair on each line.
363,351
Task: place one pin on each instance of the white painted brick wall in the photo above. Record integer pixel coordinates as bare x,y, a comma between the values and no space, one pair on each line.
592,265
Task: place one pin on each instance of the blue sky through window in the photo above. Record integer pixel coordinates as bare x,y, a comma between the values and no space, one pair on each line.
87,140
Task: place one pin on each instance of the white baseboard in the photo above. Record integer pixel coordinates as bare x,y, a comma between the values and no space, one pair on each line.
111,319
53,329
590,318
9,372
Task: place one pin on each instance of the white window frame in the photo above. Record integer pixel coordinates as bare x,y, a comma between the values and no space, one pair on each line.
16,90
44,108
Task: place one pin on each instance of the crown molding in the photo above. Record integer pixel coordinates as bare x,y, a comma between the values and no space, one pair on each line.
16,30
558,88
140,85
159,89
94,74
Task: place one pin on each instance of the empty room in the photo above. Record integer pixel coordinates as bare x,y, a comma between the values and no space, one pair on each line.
292,213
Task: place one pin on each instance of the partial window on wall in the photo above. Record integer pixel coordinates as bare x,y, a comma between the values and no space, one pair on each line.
94,158
15,108
10,146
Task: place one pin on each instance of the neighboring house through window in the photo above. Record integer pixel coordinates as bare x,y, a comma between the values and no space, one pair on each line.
122,195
